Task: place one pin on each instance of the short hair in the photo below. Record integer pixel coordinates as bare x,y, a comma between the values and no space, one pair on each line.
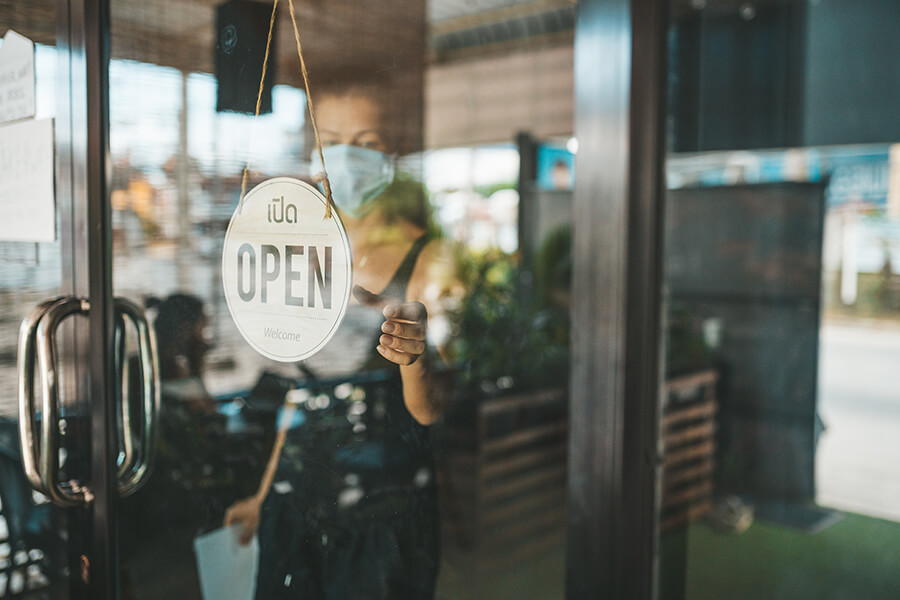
398,103
366,86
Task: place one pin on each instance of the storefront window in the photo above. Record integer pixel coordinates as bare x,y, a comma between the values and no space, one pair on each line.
352,473
778,477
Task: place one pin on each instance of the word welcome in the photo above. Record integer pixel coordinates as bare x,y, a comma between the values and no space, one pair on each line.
278,334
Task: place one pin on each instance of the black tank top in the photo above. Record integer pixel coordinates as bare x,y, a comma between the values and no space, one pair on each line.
354,451
351,352
397,286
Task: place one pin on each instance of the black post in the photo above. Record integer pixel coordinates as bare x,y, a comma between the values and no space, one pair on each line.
104,575
94,570
614,460
528,216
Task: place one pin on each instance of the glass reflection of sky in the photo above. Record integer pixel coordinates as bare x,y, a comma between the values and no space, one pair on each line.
466,192
145,107
452,169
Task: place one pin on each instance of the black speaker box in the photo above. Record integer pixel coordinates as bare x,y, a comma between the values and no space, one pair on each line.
242,27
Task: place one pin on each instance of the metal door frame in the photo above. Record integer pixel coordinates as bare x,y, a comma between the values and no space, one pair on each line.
82,131
620,77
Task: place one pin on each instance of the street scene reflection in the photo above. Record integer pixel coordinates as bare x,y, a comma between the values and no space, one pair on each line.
779,479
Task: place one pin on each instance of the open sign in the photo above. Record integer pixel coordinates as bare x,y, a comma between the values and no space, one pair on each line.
286,271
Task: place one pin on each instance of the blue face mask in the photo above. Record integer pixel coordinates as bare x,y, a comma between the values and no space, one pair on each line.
356,174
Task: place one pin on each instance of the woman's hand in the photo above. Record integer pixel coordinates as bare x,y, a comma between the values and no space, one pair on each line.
404,330
246,512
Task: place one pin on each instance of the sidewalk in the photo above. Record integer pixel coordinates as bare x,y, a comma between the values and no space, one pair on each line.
858,459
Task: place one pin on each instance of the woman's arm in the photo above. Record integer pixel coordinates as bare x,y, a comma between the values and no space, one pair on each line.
420,393
246,511
405,331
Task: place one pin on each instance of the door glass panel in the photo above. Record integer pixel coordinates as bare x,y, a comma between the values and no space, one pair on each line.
779,475
351,474
33,549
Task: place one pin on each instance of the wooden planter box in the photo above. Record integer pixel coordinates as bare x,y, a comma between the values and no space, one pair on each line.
503,472
503,465
689,447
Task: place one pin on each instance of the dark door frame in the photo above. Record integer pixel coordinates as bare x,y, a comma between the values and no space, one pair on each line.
614,458
82,189
104,582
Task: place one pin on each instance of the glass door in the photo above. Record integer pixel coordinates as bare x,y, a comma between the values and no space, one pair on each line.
422,451
44,414
74,438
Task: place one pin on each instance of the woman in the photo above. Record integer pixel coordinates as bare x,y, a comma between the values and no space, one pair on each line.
348,507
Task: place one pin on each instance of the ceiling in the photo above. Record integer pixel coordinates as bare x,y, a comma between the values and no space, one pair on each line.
337,35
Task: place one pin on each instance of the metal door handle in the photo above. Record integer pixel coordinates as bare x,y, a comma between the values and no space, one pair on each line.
25,371
69,493
127,454
138,458
40,457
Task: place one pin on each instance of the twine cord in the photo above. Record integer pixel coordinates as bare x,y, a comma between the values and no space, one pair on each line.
312,115
323,176
262,80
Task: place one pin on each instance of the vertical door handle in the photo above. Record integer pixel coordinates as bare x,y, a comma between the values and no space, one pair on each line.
27,410
127,453
40,456
69,493
138,458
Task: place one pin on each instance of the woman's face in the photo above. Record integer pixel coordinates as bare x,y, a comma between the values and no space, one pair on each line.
351,120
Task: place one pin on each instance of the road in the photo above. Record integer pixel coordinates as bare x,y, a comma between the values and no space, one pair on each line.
858,459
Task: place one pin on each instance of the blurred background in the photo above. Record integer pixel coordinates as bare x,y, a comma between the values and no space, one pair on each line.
780,475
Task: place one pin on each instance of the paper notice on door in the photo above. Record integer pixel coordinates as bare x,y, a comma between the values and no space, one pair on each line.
16,77
27,199
227,570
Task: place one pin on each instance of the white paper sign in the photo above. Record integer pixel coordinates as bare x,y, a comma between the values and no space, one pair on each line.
27,201
286,270
16,77
226,569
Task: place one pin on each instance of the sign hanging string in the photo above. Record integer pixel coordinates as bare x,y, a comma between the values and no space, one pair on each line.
323,176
